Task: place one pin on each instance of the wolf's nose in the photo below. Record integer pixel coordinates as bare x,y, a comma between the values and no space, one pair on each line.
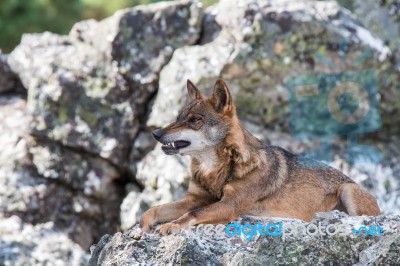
157,133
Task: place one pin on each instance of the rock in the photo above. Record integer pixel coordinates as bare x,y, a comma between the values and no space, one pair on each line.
197,247
259,48
132,208
95,250
88,90
37,244
208,62
164,178
381,179
13,127
382,18
66,101
142,39
7,77
92,175
86,93
42,181
143,144
37,200
210,27
159,170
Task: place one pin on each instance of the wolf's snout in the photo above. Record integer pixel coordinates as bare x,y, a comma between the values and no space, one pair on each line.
157,133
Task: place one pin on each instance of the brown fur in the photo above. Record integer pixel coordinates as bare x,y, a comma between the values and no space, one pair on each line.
238,175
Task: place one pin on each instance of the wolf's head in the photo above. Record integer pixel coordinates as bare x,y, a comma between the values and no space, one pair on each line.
202,124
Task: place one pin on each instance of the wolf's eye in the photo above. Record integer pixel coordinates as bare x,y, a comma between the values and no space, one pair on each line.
195,119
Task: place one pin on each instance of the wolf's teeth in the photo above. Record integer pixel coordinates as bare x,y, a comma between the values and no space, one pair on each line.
173,144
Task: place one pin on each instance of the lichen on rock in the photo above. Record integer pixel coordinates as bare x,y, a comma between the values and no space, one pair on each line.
198,247
88,90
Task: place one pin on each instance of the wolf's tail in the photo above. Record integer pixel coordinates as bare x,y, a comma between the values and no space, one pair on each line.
357,201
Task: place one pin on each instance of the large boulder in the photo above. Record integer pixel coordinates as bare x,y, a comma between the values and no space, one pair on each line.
83,172
44,181
260,46
66,149
213,246
37,200
89,89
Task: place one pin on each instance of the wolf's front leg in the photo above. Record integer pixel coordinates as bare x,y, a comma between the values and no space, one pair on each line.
236,201
222,212
171,211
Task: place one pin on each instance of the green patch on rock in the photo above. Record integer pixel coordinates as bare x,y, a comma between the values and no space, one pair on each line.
62,115
88,116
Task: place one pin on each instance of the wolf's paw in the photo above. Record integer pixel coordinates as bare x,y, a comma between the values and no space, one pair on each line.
147,221
169,228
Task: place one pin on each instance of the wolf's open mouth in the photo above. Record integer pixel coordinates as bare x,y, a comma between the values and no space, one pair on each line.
173,147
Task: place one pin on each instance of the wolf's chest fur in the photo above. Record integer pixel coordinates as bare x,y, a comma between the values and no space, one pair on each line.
215,169
211,173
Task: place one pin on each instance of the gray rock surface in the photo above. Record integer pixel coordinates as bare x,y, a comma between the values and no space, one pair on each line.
92,175
200,248
382,18
37,245
259,47
164,178
43,181
381,180
66,149
88,90
7,77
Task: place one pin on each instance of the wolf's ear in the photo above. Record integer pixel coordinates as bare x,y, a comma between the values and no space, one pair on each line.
193,91
221,97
